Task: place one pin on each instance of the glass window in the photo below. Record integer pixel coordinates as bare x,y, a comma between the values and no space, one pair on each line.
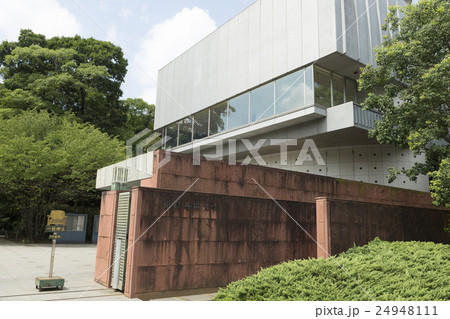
262,102
201,120
309,92
350,90
238,111
338,89
322,90
218,120
185,134
75,223
172,136
290,92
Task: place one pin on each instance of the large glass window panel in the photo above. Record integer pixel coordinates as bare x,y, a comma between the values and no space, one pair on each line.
218,119
262,102
185,133
238,111
350,90
322,89
290,92
309,85
172,135
338,89
201,124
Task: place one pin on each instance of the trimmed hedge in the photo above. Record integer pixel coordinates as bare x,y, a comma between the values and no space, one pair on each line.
381,271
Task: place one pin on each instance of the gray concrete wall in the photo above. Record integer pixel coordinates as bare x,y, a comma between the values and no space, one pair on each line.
265,41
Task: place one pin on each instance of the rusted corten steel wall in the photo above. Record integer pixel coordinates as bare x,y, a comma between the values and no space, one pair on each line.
218,177
210,240
342,223
193,247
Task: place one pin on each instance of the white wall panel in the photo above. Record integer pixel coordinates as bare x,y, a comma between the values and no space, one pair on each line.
382,10
176,85
310,31
222,78
375,28
158,100
294,34
187,102
351,29
279,37
266,65
363,31
201,73
254,44
233,43
185,86
339,17
243,51
214,75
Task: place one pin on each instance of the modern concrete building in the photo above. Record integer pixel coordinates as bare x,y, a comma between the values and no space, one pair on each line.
280,70
276,80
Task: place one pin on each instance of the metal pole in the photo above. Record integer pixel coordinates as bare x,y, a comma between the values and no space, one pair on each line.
52,259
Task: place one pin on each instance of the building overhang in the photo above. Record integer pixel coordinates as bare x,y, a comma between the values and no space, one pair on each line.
345,124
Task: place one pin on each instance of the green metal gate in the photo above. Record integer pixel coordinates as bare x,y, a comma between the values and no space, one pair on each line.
120,241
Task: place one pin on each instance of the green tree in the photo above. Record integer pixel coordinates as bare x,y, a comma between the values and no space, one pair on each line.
48,162
140,115
65,75
413,67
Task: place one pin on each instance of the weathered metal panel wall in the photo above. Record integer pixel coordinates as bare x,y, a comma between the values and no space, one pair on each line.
358,223
210,240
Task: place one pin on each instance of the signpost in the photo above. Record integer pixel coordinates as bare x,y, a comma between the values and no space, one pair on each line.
56,223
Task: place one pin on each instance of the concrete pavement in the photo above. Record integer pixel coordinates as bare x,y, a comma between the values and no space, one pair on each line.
20,264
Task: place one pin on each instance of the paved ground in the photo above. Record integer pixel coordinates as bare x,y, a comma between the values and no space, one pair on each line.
20,264
203,297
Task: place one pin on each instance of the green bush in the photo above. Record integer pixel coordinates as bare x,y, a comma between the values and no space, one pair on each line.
380,270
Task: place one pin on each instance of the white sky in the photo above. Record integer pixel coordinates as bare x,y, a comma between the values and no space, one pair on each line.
151,32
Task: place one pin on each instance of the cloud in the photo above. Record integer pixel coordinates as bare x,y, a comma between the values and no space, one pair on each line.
125,13
166,40
42,16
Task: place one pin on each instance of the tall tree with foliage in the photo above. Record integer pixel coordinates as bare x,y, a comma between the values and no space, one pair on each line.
411,86
140,116
64,75
48,162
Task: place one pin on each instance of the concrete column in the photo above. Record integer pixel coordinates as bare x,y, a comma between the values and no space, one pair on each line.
323,227
105,242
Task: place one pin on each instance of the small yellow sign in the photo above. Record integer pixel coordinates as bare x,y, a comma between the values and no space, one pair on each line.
57,218
53,229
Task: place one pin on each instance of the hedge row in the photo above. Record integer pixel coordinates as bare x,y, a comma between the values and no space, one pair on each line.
379,270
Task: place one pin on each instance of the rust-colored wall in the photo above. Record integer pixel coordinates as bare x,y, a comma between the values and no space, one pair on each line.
217,177
106,228
351,222
224,239
191,248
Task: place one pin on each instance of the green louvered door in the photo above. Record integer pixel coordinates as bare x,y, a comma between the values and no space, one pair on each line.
120,241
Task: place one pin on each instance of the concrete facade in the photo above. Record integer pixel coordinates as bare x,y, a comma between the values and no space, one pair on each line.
268,39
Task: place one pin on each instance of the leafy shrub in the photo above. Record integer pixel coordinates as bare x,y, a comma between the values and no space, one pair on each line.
380,270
